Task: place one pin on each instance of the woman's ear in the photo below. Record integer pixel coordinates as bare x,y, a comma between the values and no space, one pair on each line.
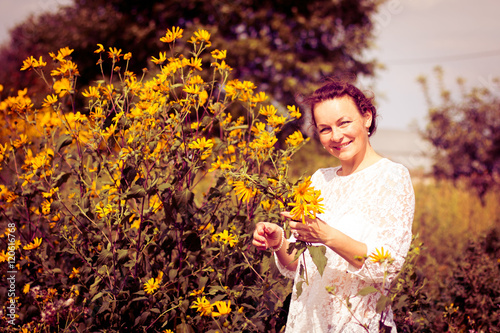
368,120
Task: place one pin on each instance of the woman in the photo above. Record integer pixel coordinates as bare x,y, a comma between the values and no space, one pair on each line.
369,205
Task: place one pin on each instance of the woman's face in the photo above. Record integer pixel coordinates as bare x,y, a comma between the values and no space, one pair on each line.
342,130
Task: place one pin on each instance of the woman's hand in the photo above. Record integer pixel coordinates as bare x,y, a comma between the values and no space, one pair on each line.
313,231
267,235
317,231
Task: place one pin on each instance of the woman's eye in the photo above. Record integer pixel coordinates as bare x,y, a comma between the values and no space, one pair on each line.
345,122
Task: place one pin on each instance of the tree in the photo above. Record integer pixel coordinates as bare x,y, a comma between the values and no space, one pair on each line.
283,46
465,134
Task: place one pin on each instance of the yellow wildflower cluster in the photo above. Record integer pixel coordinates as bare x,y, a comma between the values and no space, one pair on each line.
17,104
204,146
34,244
153,283
6,195
99,176
306,201
205,308
172,35
226,238
243,91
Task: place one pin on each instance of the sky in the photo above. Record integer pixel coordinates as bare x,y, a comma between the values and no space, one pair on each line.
412,37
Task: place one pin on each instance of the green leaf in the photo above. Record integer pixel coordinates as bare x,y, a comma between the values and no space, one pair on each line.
61,179
382,303
367,290
122,254
318,256
135,191
97,296
183,328
298,286
63,141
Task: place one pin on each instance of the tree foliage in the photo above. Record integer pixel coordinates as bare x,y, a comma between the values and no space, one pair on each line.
465,134
282,46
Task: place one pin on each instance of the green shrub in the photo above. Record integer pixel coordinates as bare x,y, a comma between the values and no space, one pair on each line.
136,213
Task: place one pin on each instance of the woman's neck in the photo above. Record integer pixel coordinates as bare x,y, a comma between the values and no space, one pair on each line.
355,165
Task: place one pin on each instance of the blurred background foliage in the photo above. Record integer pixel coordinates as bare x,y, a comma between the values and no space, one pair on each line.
284,47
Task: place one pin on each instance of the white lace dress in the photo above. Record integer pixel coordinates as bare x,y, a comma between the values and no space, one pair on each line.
374,206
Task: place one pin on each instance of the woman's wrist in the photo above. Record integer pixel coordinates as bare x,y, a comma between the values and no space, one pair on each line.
282,241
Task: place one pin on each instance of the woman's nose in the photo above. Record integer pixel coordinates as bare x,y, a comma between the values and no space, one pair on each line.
336,135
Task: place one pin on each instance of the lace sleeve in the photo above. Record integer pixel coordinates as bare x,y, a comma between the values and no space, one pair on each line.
392,215
283,270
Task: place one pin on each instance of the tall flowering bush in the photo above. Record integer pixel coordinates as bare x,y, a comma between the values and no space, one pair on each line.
135,213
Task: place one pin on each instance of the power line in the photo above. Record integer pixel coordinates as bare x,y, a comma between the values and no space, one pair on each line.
455,57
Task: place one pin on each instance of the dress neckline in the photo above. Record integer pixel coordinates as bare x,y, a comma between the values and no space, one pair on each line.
358,172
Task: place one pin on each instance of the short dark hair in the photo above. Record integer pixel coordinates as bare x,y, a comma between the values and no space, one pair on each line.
334,88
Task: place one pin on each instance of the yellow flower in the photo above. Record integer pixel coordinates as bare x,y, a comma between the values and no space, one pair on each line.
219,164
192,89
33,245
267,111
306,201
196,79
100,49
75,272
259,97
222,66
62,87
92,92
380,256
153,284
223,308
303,191
294,112
161,59
61,54
3,256
217,54
201,36
203,96
201,144
51,192
127,56
114,53
226,237
23,140
243,192
294,139
26,288
195,63
50,100
276,121
67,68
168,331
31,62
203,306
172,35
197,292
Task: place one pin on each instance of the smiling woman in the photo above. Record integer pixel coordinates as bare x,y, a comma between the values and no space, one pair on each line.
366,220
